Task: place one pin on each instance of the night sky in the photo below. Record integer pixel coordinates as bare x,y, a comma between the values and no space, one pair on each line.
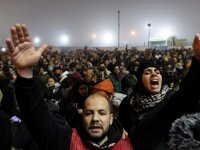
87,22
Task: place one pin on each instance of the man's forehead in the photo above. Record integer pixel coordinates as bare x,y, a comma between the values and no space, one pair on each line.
96,101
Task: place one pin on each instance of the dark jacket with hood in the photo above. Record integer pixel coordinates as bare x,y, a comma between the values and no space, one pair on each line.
50,131
151,132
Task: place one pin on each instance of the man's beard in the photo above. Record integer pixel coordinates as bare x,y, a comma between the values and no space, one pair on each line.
96,139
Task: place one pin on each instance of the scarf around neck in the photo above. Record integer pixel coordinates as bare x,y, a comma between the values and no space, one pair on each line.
144,103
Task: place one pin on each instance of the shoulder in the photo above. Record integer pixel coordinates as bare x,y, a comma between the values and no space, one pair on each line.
123,143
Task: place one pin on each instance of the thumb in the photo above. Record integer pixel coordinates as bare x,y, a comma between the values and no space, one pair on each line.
42,48
196,47
196,42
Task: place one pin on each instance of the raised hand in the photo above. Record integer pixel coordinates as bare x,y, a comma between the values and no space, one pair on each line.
21,50
196,47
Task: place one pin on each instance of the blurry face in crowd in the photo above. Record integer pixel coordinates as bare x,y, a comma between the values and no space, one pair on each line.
113,60
50,68
148,54
116,70
97,117
101,67
89,74
58,72
135,67
106,62
152,80
169,68
41,72
51,82
14,77
9,62
2,75
83,90
11,71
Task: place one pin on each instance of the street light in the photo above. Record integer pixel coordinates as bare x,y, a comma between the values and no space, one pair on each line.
37,40
118,28
64,39
132,33
94,36
149,26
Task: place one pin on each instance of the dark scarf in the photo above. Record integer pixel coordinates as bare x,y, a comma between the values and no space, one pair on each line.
143,103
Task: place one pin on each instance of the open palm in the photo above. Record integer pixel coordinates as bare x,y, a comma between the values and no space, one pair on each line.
23,54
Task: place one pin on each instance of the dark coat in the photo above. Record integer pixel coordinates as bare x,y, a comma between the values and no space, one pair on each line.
5,132
151,133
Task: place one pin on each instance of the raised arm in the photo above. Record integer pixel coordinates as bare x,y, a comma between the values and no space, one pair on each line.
188,95
23,55
196,47
49,131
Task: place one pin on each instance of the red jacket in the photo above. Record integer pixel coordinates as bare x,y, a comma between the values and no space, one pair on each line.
51,132
78,144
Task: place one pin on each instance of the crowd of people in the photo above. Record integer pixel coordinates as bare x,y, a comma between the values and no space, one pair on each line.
95,99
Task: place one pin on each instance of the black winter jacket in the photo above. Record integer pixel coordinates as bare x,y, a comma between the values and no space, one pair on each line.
151,133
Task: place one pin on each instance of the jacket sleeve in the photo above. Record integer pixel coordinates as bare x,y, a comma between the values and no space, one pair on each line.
5,131
186,99
49,131
126,115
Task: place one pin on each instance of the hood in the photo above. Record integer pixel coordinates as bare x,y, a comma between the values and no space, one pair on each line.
114,134
185,133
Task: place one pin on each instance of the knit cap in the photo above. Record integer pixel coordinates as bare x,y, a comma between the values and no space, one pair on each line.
143,65
76,76
104,88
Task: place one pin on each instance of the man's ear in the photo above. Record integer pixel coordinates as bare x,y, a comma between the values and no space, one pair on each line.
111,118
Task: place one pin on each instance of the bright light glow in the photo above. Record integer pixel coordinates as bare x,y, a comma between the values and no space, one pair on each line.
3,49
64,39
36,40
166,32
133,33
94,36
108,38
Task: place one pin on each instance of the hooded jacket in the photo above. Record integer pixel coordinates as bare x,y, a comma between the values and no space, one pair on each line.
115,141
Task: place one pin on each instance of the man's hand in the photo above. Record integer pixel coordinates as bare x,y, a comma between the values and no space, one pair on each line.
23,55
196,47
124,134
